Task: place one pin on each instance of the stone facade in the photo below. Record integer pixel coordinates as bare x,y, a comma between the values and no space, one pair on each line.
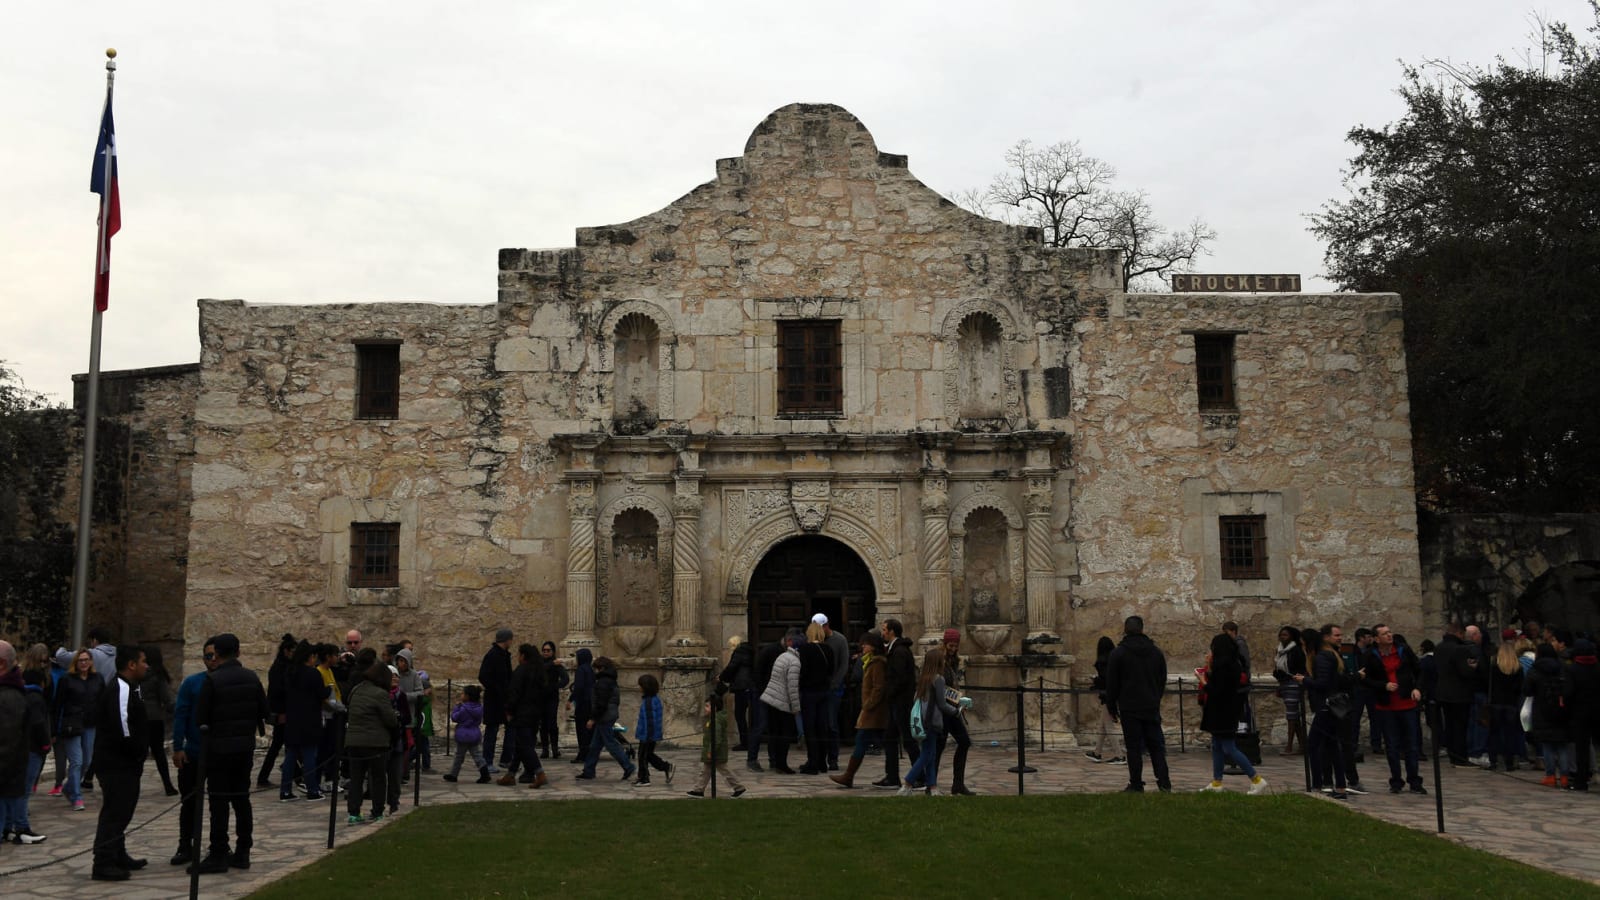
605,456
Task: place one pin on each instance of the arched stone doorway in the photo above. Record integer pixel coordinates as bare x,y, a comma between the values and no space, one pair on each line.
805,575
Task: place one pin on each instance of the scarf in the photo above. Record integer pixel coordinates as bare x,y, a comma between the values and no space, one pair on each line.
866,660
1280,662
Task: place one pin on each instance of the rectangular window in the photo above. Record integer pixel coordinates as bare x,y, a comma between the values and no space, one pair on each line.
810,376
1244,547
374,554
1213,366
378,381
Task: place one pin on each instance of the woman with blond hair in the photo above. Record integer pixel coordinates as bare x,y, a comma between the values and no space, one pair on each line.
737,675
816,676
1505,705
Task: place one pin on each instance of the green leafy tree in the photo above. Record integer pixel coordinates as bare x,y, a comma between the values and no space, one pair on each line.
36,549
1071,198
1481,207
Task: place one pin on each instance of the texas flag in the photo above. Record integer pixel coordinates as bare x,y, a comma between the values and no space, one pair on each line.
104,182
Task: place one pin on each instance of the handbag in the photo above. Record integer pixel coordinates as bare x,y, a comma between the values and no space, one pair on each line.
918,732
1340,704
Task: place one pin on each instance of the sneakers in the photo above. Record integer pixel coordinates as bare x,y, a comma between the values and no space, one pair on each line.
1258,785
1480,761
1419,790
355,820
737,793
1214,787
754,766
77,806
670,770
287,798
1092,756
314,795
1339,795
1355,788
449,778
27,836
906,790
1117,761
886,783
935,792
1548,781
695,793
55,791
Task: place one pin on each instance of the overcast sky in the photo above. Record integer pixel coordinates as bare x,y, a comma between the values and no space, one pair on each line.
305,152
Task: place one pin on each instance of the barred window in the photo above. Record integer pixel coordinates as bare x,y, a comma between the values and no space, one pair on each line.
378,381
1213,364
374,554
810,376
1244,547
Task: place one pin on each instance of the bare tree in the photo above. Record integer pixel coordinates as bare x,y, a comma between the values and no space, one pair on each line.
1069,196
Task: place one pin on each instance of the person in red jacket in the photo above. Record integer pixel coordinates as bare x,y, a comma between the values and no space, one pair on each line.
1391,673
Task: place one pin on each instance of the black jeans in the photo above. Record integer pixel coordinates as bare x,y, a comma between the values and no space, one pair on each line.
758,726
119,797
780,733
228,781
493,718
188,781
956,727
897,735
1145,736
649,760
369,767
1326,751
550,726
1455,730
271,760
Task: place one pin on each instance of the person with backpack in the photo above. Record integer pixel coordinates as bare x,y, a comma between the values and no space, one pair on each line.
1552,695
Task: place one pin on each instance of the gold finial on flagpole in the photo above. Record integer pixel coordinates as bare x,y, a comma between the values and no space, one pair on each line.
111,53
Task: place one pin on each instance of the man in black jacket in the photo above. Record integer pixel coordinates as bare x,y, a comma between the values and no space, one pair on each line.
765,659
1457,662
122,743
1136,677
525,707
233,706
899,687
1391,675
494,673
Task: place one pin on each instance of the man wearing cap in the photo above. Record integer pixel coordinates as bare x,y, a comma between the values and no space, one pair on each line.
494,673
840,648
233,705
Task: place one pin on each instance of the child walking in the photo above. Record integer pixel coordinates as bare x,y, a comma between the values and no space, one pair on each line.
648,730
714,731
468,716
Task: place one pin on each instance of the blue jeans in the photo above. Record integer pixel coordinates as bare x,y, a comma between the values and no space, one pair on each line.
80,750
306,755
926,768
1477,735
19,815
604,735
1558,757
1224,748
1402,737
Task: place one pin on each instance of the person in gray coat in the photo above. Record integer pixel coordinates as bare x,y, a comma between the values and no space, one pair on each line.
782,700
371,730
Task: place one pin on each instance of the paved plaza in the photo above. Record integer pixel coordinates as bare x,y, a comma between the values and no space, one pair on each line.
1511,815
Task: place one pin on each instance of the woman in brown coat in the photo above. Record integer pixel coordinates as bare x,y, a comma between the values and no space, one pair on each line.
874,715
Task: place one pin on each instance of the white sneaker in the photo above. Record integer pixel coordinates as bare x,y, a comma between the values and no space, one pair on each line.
906,790
1214,787
1259,786
935,792
1482,761
1118,760
27,837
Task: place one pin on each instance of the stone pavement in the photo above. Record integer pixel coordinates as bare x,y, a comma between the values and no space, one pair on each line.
1508,814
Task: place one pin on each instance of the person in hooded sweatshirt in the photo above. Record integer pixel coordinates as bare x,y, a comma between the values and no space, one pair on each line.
1136,677
581,702
607,707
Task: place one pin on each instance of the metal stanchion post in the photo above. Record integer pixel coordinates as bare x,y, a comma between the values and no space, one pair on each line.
1041,713
1182,747
1305,752
713,724
199,807
1021,768
416,765
1438,783
449,702
340,720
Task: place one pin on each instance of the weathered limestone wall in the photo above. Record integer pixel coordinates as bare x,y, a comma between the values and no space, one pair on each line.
1321,445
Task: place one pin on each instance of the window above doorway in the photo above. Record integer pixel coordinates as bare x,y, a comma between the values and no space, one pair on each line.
810,370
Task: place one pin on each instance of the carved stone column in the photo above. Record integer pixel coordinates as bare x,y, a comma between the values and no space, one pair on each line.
1040,556
935,504
686,506
580,562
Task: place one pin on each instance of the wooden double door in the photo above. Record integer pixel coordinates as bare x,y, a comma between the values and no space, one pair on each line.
806,575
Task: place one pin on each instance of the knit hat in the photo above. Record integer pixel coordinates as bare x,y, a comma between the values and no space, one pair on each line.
951,634
503,635
1510,634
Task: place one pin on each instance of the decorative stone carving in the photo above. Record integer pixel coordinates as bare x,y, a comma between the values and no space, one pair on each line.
753,535
985,495
686,505
668,339
950,334
935,503
580,565
634,498
810,501
1040,557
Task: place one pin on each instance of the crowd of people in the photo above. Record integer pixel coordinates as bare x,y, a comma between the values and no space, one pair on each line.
362,718
1532,700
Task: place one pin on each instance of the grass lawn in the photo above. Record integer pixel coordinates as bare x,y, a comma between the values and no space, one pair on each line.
1177,845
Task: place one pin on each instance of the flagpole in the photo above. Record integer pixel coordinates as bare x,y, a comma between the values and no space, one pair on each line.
91,409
